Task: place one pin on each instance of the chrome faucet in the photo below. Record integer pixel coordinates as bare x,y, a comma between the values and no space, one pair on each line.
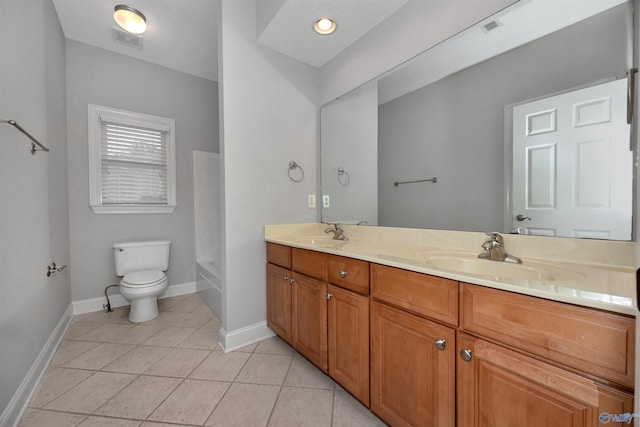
494,249
338,232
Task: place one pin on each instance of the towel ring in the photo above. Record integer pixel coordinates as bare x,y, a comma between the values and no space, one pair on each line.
343,177
293,166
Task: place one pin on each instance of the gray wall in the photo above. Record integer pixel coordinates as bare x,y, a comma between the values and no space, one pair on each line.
269,118
97,76
454,128
33,189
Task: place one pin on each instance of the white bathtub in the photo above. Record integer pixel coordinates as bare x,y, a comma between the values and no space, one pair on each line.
209,284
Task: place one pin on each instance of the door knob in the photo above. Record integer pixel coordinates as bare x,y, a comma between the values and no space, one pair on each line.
521,217
440,343
465,354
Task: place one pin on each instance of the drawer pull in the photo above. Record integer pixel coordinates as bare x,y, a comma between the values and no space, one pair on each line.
328,296
342,274
285,278
440,344
465,354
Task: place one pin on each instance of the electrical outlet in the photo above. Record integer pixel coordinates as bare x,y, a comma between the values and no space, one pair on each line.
325,201
311,201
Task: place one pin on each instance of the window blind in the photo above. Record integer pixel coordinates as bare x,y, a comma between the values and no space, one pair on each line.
134,165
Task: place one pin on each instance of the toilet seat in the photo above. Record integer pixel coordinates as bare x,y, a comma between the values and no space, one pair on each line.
143,279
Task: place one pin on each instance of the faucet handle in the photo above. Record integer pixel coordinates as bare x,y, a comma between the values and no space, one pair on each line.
495,236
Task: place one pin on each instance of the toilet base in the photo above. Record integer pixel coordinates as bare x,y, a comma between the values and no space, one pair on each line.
143,309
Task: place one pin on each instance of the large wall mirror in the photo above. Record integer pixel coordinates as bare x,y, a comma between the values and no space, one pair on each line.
520,119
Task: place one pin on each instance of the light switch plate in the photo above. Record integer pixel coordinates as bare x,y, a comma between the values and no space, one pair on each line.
325,201
311,201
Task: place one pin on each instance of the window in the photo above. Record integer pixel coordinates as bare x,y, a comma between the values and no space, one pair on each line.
131,162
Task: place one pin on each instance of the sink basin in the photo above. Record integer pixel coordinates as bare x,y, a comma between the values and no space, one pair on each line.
501,271
326,242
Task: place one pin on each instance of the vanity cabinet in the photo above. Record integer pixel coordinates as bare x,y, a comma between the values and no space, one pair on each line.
296,302
424,350
279,301
309,303
412,368
544,364
412,356
319,304
310,319
279,290
497,386
595,342
348,307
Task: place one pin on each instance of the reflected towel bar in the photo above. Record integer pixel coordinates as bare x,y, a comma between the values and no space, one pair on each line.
434,180
34,141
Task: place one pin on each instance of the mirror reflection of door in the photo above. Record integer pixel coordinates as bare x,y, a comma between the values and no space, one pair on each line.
572,172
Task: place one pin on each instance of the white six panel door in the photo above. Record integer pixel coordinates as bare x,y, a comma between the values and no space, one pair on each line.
572,171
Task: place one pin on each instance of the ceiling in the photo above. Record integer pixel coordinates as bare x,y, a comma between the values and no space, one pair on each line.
178,37
182,35
519,24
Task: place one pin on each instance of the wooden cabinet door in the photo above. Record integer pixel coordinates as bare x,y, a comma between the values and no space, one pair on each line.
348,322
499,387
412,380
279,301
310,319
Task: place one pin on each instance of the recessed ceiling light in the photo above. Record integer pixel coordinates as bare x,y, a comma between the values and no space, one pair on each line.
324,26
130,19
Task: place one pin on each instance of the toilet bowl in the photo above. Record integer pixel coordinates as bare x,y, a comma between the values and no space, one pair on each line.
142,289
141,265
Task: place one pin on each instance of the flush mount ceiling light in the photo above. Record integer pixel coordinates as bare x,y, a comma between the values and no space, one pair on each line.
130,19
324,26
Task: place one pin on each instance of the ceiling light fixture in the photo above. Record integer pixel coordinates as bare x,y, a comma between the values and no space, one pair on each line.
324,26
130,19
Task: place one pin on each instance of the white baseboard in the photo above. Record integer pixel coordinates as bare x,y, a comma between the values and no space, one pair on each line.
96,304
18,404
242,337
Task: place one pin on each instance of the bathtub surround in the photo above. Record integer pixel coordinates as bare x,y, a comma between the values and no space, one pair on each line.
206,201
209,284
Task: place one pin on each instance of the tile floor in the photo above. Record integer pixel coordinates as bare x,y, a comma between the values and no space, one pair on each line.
170,372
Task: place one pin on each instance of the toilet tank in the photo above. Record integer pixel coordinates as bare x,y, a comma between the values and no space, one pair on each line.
141,255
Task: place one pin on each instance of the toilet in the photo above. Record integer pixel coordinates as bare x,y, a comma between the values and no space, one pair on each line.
141,265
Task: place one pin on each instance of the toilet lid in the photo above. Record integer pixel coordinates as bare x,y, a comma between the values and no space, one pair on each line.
142,278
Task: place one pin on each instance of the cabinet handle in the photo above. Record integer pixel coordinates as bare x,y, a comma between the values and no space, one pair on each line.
328,296
342,274
465,354
291,280
285,278
440,344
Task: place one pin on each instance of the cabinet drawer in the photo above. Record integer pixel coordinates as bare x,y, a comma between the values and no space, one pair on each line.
596,342
310,263
279,255
429,296
349,273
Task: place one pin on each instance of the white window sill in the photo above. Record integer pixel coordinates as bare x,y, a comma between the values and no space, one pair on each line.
138,209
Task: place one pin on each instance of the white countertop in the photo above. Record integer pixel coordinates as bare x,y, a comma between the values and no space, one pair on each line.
575,272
